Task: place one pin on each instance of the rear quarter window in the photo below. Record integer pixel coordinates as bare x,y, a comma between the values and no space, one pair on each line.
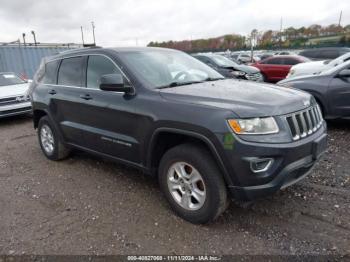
50,75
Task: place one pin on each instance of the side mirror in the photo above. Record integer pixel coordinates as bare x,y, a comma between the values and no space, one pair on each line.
114,82
344,73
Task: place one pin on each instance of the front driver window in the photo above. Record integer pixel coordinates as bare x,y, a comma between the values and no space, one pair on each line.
97,67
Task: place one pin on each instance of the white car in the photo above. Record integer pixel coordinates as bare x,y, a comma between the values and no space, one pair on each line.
13,95
316,67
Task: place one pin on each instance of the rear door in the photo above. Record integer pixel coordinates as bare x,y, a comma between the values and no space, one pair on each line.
65,104
339,96
288,62
109,123
274,69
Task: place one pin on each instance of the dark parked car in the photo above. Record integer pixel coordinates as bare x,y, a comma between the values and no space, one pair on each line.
331,88
277,68
229,68
203,136
326,53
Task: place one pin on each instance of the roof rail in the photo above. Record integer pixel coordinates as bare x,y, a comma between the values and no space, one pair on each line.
79,49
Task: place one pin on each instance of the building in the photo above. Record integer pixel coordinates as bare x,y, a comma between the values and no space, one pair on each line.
25,59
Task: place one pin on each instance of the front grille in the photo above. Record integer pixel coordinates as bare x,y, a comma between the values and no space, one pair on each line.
12,100
304,123
254,77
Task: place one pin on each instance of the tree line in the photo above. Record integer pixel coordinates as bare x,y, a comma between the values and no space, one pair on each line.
288,38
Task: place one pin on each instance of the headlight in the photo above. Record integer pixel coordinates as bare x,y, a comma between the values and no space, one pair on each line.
254,126
237,73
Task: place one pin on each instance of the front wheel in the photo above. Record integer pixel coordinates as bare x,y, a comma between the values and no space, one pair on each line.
192,183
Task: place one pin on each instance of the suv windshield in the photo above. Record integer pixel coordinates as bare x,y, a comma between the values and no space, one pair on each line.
223,61
7,79
168,68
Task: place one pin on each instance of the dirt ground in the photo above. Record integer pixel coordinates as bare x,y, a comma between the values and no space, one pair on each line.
86,205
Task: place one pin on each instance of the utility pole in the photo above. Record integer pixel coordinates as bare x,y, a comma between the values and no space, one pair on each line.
33,33
82,34
281,31
341,14
24,38
93,31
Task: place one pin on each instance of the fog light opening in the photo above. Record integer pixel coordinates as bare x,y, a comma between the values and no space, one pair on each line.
260,165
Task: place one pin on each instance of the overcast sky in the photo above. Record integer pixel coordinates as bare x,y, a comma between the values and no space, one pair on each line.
131,22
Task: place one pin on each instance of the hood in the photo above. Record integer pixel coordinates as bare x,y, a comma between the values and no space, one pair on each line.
248,69
316,66
244,68
13,90
244,98
298,78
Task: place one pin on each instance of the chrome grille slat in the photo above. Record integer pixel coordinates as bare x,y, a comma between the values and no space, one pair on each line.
305,122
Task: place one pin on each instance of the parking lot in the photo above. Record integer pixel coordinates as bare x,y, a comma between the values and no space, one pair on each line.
85,205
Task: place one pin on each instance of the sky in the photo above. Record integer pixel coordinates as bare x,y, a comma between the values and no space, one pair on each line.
137,22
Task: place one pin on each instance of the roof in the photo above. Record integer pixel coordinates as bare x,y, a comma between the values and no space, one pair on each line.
114,49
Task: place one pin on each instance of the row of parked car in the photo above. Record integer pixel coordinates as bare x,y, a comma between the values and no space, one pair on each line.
274,67
327,80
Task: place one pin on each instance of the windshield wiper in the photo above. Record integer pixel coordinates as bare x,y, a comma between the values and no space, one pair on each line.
213,79
174,84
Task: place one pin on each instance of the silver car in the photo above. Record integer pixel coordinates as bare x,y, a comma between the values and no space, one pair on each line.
13,97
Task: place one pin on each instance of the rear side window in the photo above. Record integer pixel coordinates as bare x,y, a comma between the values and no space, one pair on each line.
50,75
290,61
273,61
97,67
71,72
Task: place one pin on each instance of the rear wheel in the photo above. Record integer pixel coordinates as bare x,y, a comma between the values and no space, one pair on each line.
49,141
192,183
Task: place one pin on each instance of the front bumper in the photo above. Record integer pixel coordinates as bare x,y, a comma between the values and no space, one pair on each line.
15,109
291,162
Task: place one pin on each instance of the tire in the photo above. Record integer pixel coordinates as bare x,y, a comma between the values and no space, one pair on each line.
264,78
54,149
194,160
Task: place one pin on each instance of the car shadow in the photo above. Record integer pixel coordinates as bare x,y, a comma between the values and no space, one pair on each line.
14,120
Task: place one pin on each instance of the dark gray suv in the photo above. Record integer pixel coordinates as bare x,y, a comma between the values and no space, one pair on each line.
171,116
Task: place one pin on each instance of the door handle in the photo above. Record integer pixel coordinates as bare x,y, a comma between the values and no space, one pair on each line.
86,97
52,92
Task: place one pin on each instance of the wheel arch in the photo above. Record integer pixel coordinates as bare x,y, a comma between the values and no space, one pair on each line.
38,114
165,138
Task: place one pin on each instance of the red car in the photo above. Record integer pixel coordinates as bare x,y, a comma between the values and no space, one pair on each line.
276,68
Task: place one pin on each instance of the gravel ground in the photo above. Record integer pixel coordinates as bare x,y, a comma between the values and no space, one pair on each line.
86,205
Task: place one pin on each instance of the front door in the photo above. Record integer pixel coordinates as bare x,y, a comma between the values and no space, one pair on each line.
339,96
109,122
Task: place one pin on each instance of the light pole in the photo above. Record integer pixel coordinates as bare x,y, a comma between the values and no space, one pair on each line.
93,31
33,33
24,38
82,34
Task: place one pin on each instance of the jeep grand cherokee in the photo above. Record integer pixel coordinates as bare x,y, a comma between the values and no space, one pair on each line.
171,116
